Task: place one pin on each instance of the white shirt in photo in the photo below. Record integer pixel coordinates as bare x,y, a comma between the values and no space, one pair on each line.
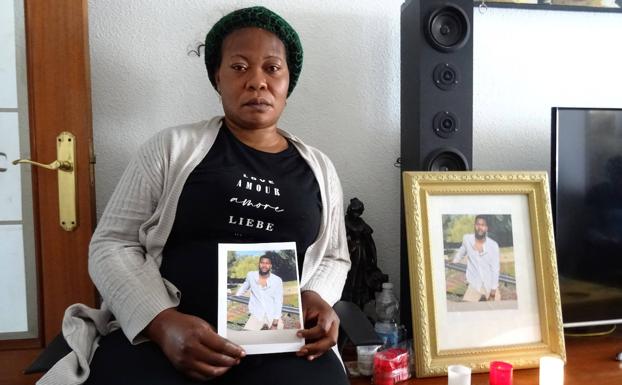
482,267
265,302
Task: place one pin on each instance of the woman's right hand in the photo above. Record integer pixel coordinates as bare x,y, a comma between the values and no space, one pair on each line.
192,345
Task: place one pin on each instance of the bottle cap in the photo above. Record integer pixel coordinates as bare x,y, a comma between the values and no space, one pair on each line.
387,285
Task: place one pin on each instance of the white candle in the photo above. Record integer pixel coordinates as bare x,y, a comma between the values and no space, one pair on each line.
458,375
551,371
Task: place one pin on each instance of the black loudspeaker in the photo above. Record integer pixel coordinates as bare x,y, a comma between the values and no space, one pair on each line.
436,98
437,85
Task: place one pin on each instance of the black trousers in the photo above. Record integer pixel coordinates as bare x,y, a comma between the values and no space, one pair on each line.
117,362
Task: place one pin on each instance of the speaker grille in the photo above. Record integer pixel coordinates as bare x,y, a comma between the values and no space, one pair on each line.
448,28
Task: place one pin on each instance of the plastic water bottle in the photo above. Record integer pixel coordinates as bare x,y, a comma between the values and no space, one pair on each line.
387,307
387,310
388,332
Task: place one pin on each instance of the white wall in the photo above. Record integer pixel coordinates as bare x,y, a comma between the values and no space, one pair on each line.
527,61
347,99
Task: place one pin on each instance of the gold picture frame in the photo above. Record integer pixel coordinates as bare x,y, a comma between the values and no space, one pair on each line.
520,324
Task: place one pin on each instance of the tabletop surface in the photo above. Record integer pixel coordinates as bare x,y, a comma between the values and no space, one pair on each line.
590,361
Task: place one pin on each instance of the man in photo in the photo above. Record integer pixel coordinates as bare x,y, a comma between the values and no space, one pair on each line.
482,271
266,297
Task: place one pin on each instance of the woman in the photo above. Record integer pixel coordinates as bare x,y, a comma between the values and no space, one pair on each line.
153,256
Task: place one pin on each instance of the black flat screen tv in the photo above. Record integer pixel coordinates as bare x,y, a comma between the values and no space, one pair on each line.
586,183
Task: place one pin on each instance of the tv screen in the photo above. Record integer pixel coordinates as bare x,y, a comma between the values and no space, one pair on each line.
586,183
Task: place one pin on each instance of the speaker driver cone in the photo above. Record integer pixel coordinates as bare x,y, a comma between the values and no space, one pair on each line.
447,160
446,76
448,28
445,124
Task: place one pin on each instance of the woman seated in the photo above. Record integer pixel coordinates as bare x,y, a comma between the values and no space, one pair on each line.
153,256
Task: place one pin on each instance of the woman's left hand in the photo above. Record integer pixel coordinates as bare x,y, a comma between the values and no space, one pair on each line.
322,323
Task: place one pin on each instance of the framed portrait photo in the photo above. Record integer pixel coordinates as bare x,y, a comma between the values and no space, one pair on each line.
259,305
482,268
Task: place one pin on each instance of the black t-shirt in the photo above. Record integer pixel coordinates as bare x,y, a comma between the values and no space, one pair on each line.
237,195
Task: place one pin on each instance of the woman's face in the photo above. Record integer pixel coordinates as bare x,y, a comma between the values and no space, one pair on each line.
253,78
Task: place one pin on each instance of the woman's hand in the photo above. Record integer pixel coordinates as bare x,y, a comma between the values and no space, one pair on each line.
192,346
323,325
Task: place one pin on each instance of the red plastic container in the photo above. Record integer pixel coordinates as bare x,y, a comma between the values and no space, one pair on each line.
391,366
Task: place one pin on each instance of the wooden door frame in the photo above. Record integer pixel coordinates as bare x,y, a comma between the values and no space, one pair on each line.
59,99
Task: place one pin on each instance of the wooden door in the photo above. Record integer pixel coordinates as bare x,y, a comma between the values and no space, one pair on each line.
59,99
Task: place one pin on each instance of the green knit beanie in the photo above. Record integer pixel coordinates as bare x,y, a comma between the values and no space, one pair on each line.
259,17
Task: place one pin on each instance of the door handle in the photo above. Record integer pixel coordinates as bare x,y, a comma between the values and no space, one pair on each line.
66,167
56,165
